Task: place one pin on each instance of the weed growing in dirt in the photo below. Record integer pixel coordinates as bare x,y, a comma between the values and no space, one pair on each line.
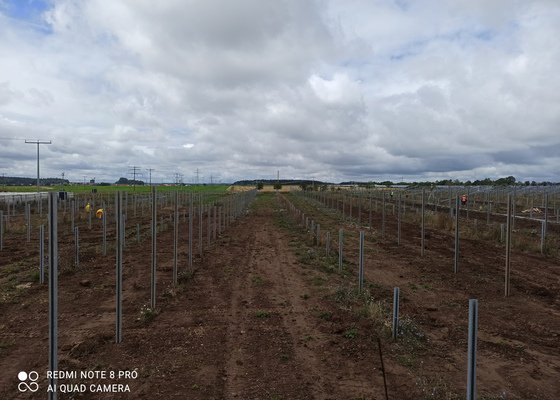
34,276
257,280
5,344
350,333
318,280
347,297
440,221
327,316
147,313
410,343
436,389
262,314
378,312
185,276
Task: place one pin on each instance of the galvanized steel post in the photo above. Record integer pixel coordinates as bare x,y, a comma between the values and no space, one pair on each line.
119,266
340,248
42,254
200,225
104,221
422,231
76,247
53,290
395,332
456,258
154,250
28,219
175,237
471,368
399,219
508,248
383,217
191,230
361,263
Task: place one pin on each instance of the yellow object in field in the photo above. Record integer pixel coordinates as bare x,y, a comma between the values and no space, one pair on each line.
88,208
99,213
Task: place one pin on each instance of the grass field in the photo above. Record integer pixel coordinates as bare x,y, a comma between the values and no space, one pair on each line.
111,189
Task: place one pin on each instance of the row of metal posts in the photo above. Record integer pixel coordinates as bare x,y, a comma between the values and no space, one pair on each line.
232,211
473,303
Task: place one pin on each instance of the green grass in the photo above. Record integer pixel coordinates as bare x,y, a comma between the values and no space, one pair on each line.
326,315
112,189
147,313
351,333
262,314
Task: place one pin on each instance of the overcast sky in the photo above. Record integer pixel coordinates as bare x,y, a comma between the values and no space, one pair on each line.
330,89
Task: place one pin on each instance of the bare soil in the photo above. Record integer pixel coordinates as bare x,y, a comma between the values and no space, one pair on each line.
265,314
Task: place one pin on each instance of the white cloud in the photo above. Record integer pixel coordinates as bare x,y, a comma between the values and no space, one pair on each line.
329,88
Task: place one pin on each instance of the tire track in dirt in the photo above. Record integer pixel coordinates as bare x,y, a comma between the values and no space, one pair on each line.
261,356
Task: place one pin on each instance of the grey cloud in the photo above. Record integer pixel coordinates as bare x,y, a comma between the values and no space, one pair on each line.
311,88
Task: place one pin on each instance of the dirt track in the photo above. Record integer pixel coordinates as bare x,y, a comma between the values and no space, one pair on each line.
264,315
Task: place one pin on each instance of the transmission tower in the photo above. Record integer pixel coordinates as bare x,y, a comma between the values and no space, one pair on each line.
134,170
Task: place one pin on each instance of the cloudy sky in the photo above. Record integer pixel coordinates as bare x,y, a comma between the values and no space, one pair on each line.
326,89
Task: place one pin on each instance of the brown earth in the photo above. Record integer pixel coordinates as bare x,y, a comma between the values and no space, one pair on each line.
265,315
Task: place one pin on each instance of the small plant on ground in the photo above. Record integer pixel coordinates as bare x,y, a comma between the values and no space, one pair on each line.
327,316
147,313
262,314
350,333
185,275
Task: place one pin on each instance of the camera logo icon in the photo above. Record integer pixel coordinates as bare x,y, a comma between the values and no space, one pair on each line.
32,386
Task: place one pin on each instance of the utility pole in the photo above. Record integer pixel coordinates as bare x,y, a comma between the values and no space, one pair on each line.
133,170
211,180
197,176
178,178
150,171
38,142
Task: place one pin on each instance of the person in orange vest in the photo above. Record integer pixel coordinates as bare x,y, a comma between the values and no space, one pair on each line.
463,199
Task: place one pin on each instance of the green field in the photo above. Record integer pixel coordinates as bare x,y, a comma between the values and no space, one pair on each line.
112,189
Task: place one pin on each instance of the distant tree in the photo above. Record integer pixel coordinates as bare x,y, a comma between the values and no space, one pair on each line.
387,183
277,186
507,181
260,186
304,186
122,181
